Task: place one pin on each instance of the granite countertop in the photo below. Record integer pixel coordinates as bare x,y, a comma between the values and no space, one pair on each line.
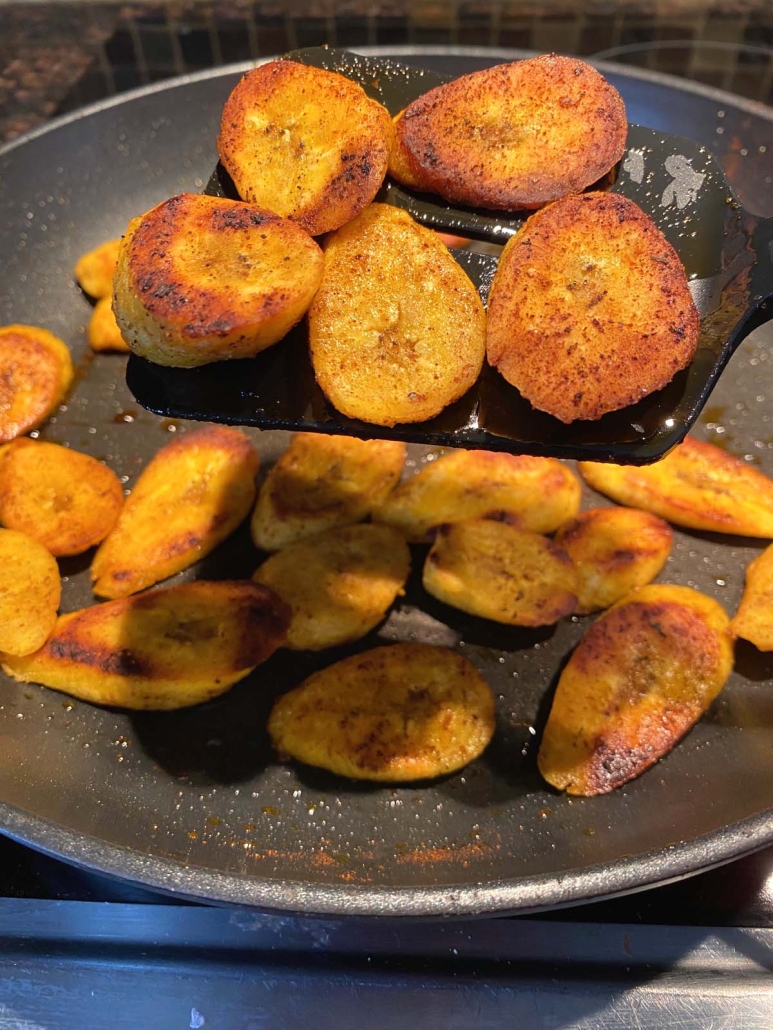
56,56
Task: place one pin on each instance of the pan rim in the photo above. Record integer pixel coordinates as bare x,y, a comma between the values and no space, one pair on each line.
526,895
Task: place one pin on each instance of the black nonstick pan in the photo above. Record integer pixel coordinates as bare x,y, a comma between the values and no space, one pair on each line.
195,802
726,252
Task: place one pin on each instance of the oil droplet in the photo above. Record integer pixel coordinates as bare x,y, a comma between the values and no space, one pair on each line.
271,810
170,426
124,416
193,835
545,812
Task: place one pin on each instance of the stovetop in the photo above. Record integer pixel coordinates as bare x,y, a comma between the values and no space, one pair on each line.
81,950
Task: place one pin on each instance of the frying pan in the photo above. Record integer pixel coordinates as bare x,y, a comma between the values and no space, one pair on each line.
679,183
194,802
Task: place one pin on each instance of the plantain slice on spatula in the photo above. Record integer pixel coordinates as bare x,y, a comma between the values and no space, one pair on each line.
725,252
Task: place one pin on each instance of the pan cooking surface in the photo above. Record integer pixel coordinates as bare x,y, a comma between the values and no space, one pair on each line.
678,182
195,801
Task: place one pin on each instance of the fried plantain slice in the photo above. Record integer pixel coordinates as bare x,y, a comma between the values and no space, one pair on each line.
697,485
168,648
65,500
339,584
518,135
203,279
754,619
401,166
35,374
95,269
103,332
323,481
397,329
590,309
615,551
397,713
190,497
537,494
30,590
498,572
639,679
306,143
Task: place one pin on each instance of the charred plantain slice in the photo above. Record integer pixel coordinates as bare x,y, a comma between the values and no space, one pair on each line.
697,485
321,482
536,494
397,329
501,573
402,167
168,648
405,712
754,619
30,589
203,279
103,331
35,374
95,269
65,500
518,135
339,584
590,309
615,551
190,497
639,679
306,143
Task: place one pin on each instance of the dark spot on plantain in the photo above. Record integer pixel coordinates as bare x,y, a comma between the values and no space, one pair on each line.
116,663
224,219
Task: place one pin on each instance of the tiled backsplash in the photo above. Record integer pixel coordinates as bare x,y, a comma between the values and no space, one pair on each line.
57,56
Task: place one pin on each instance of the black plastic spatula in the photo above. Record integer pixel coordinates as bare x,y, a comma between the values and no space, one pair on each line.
727,252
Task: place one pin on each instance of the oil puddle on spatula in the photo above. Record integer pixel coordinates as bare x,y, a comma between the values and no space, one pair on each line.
727,252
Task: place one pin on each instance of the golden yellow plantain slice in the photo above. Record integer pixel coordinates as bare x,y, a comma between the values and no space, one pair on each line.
202,279
590,309
397,329
35,374
538,494
639,679
754,619
497,572
323,481
518,135
401,166
615,550
697,485
405,712
339,584
95,269
30,590
65,500
168,648
190,497
103,332
306,143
